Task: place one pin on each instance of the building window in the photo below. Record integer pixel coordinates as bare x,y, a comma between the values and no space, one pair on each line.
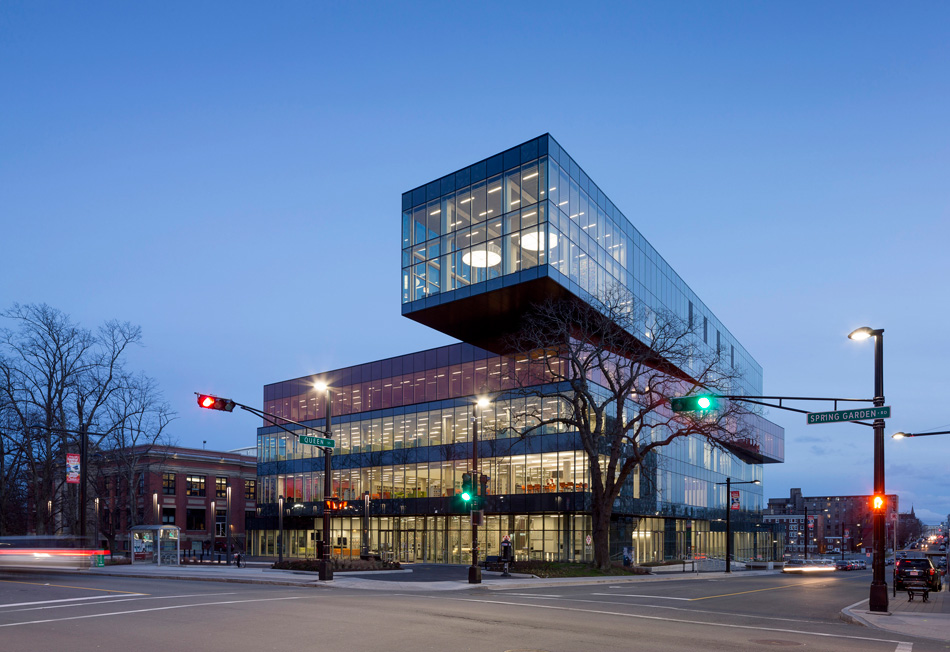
250,490
195,519
168,515
141,485
168,484
220,519
705,330
220,487
690,315
196,487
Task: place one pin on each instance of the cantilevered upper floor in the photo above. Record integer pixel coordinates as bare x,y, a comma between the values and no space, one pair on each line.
480,244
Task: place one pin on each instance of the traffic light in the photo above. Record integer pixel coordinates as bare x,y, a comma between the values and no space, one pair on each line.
483,485
878,504
215,403
698,403
468,491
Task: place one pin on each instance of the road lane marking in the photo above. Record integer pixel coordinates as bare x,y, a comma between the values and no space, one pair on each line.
116,598
537,595
635,595
84,588
671,620
139,611
88,597
904,647
726,595
696,611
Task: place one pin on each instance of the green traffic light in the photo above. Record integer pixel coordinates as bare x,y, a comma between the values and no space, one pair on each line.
466,496
701,403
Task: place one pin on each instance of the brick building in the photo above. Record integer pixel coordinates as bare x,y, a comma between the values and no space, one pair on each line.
833,522
172,485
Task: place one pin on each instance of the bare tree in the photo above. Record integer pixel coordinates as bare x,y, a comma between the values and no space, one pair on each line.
58,379
135,445
613,364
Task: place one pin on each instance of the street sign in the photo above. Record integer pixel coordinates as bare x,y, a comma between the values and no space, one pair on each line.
588,539
317,441
840,416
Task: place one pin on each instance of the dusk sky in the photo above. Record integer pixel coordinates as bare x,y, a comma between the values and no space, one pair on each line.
228,176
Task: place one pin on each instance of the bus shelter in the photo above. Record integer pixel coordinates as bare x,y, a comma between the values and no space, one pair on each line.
156,544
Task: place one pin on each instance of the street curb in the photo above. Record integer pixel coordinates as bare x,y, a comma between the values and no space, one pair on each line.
849,617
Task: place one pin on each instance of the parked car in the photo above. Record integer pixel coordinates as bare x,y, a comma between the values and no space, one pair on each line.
917,569
861,564
844,564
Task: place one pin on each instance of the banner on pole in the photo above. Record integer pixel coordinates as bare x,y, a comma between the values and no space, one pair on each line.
72,468
734,501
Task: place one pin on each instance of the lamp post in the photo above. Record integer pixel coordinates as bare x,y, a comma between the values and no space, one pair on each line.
326,570
227,524
878,596
280,529
97,522
729,509
474,572
158,520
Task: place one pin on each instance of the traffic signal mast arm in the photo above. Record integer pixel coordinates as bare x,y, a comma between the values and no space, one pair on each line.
683,403
270,418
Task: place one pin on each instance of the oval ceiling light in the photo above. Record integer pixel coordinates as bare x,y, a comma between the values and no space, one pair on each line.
530,241
482,258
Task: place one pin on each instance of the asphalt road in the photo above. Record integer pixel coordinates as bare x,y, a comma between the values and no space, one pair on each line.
81,612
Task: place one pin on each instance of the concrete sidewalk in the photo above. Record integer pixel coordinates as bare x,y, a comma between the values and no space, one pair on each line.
929,619
419,577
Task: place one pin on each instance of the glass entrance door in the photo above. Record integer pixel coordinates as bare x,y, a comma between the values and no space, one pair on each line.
386,545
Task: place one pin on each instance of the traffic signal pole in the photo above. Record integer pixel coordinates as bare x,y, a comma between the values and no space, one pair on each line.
217,403
474,572
878,596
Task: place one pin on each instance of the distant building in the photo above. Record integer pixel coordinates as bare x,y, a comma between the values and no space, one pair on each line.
171,485
834,523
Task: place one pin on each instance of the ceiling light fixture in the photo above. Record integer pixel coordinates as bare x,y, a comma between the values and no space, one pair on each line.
531,240
482,257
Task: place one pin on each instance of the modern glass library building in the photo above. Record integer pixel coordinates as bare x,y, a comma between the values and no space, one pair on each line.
478,246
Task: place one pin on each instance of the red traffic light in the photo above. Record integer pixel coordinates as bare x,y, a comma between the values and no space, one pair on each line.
215,403
878,503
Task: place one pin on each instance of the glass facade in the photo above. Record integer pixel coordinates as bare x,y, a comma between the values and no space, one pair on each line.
403,426
532,211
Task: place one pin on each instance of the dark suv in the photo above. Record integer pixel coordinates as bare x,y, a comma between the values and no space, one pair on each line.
917,570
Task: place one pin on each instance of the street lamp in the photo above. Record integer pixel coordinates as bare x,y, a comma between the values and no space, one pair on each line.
878,596
729,509
280,529
326,570
474,572
902,435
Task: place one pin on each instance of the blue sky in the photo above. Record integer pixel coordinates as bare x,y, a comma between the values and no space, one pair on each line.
228,176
